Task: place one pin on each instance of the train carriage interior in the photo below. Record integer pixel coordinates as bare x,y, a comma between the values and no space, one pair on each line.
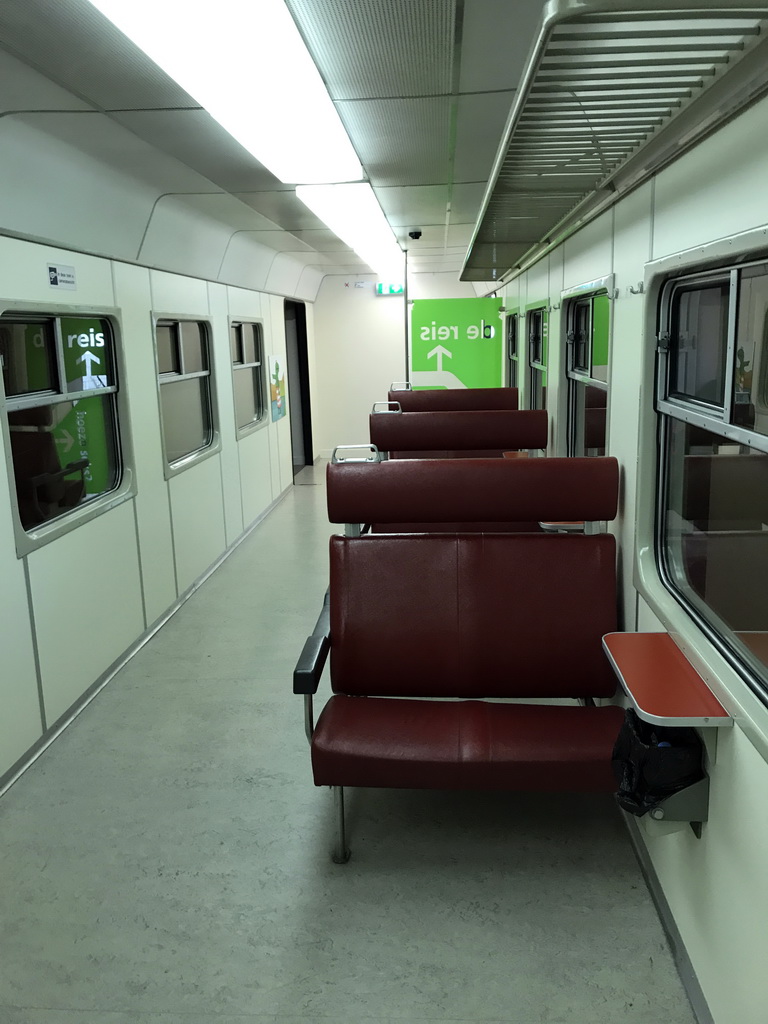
384,511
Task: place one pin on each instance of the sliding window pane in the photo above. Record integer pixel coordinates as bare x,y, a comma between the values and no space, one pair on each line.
250,343
698,343
193,346
186,417
246,398
167,349
27,352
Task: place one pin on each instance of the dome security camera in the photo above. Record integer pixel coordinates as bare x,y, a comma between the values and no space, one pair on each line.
416,234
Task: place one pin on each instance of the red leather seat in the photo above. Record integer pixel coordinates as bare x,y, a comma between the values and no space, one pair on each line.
438,640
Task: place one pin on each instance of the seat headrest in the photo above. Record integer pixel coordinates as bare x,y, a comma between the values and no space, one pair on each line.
455,399
457,431
473,490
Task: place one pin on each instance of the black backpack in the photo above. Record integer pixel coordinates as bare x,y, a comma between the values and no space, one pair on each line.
651,762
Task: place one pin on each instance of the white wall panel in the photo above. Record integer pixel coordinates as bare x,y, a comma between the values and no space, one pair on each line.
647,622
440,286
360,348
255,474
20,722
25,275
244,303
174,293
537,283
589,253
632,242
309,284
717,189
184,234
230,463
79,178
197,509
284,274
86,592
152,508
717,887
246,262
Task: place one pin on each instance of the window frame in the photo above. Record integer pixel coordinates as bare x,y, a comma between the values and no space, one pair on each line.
512,355
168,378
29,540
671,408
261,389
535,311
571,300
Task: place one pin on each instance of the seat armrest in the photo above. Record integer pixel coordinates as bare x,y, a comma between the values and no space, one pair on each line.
309,667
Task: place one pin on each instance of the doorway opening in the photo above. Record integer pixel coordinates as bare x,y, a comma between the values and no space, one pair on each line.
298,384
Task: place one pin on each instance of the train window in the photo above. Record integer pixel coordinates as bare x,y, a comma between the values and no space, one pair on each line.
712,520
247,348
185,388
587,320
60,385
510,329
537,357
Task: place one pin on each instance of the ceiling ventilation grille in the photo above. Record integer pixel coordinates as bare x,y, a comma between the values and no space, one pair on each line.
612,91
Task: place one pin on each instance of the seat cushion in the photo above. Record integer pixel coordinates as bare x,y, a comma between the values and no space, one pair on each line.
475,745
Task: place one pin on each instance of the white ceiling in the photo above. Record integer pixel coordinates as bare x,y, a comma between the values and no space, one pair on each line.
424,88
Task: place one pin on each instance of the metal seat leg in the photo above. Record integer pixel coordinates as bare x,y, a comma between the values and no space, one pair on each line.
340,854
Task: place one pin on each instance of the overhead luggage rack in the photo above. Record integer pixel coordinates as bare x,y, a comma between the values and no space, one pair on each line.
613,90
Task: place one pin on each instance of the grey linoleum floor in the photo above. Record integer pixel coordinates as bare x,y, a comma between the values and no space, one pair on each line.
166,860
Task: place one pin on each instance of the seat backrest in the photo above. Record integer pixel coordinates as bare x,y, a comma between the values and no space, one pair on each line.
431,615
455,399
470,434
473,490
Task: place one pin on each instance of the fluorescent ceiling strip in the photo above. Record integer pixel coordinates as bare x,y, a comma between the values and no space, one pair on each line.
246,64
353,213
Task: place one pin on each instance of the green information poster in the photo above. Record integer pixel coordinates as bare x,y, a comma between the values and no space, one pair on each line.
456,343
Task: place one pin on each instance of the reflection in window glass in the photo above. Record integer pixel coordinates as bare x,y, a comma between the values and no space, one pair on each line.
65,453
587,419
750,378
600,336
698,343
512,336
715,534
27,352
582,332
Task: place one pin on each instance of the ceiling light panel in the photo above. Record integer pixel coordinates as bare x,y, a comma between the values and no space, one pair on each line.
256,97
